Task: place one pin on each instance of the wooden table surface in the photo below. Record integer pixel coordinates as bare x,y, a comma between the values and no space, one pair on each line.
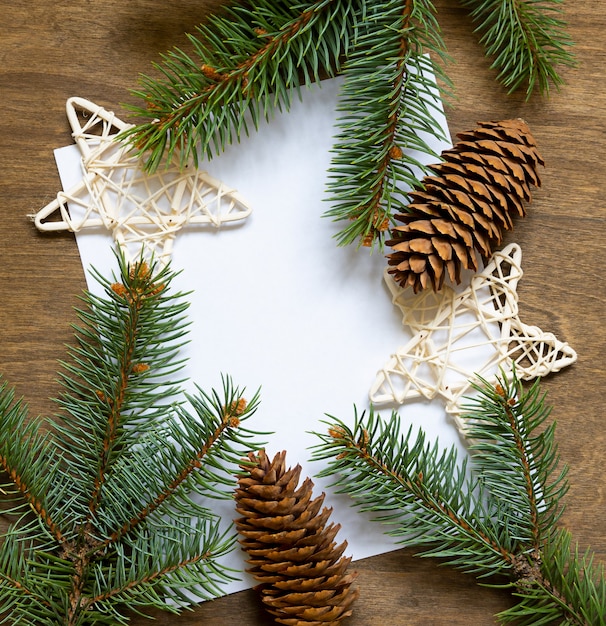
50,51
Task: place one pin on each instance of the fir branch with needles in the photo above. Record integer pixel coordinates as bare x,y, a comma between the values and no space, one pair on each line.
527,40
493,514
246,61
252,59
107,503
385,107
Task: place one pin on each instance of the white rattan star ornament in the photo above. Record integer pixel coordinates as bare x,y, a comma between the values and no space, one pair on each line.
142,211
458,335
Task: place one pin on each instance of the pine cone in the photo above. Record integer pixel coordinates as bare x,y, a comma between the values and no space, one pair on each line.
463,210
292,553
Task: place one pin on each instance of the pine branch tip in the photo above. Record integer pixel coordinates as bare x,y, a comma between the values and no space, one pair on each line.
112,476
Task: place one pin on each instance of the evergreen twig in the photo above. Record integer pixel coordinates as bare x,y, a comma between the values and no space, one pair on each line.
526,39
253,59
246,61
493,515
387,113
103,502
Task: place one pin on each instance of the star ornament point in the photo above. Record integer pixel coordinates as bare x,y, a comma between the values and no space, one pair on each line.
142,211
458,335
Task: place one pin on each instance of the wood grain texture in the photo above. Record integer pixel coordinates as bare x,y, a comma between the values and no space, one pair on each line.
52,50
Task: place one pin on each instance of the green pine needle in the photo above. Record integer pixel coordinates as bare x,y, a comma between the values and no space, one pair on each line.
244,66
526,39
493,514
571,589
103,500
385,108
251,60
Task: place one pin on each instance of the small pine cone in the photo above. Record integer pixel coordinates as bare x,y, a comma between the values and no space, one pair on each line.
292,553
462,211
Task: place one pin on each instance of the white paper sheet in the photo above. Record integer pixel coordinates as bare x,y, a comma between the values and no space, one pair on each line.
278,305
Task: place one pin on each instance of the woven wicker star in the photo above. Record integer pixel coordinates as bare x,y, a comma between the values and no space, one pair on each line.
142,211
453,330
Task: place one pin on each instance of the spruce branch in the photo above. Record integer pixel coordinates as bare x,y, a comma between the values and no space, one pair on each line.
249,61
246,61
566,584
527,40
387,108
492,514
107,502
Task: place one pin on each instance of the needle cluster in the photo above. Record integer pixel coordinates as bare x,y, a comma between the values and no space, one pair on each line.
493,514
107,504
526,39
253,58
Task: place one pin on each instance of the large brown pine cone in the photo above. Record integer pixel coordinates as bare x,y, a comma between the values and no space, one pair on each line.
292,553
462,211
